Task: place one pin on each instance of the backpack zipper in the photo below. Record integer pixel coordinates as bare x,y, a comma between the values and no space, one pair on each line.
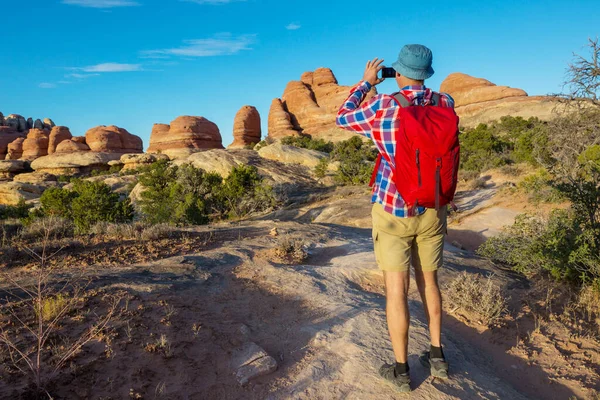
418,167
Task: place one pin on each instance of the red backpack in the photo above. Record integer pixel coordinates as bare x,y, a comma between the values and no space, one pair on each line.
427,154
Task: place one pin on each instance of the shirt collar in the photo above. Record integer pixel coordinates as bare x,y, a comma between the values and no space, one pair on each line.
415,87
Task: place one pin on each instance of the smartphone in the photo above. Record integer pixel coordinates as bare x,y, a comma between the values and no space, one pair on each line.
388,72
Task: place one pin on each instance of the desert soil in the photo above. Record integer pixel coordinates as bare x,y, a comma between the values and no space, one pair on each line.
323,320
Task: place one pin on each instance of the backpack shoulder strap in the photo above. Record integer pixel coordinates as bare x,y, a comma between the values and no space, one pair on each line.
435,99
401,100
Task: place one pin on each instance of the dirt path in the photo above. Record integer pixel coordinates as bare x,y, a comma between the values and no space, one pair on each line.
323,321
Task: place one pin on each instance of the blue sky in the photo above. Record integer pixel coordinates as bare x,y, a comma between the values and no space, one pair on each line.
133,63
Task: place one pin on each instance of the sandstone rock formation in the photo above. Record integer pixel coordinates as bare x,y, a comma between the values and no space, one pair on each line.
246,128
35,178
16,122
35,145
48,123
280,122
184,136
29,123
73,162
8,168
466,89
478,100
11,193
312,104
112,139
7,136
71,146
274,172
15,149
134,161
57,135
291,154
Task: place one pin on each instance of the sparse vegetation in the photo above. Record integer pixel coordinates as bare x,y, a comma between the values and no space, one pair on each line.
34,316
86,204
321,168
478,296
290,250
19,211
187,195
539,187
307,142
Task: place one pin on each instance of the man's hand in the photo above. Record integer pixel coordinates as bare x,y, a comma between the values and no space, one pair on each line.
372,71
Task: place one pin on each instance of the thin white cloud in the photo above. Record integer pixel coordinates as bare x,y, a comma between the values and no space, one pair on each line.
46,85
65,82
293,27
80,76
106,67
212,2
101,3
220,45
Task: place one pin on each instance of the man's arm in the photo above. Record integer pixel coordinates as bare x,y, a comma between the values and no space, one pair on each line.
354,117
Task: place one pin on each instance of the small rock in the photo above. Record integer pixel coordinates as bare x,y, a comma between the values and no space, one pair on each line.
251,361
262,366
273,232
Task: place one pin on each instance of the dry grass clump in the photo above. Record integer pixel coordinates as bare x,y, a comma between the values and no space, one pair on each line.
161,346
132,231
290,250
477,295
52,228
158,231
589,303
478,183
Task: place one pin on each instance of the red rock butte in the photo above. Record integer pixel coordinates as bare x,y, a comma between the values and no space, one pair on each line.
246,128
310,106
112,139
478,100
185,134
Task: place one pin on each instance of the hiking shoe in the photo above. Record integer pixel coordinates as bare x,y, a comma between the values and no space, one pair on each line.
437,366
401,382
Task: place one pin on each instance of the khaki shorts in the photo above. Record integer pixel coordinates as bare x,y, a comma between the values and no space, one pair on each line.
400,241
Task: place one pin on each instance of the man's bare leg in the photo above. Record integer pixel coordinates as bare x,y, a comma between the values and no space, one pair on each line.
427,283
398,315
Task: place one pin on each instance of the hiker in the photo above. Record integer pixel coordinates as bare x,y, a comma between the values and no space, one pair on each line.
416,133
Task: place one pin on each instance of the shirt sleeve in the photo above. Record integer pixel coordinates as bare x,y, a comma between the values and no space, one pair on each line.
356,117
447,100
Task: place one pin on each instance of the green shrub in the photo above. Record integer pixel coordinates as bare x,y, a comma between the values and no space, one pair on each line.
481,149
322,167
114,169
64,178
540,189
307,142
188,195
19,211
244,191
559,246
356,159
86,204
509,140
57,201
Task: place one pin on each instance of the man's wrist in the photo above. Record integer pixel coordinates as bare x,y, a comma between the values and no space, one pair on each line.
367,85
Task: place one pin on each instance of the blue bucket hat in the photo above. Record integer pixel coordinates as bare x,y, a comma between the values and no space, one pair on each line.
414,62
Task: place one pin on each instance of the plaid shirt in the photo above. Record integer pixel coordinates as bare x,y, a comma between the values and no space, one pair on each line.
381,112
